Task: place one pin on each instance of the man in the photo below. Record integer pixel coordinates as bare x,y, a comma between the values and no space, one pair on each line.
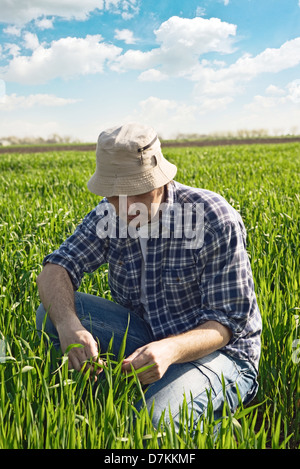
186,282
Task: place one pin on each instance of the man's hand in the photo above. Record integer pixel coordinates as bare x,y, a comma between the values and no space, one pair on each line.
75,333
185,347
157,354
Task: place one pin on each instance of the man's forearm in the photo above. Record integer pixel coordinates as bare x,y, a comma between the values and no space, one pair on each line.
57,294
198,342
182,348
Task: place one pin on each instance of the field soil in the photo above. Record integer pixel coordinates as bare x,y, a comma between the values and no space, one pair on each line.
176,144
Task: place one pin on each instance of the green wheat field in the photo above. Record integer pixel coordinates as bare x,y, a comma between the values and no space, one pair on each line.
43,405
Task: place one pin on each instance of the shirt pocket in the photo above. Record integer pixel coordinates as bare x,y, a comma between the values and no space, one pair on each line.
181,290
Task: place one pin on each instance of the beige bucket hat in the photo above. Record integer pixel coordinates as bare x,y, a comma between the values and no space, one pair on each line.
129,162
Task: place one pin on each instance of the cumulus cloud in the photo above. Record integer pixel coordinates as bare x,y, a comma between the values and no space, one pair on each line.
270,60
273,90
200,11
294,91
275,97
12,30
198,35
12,102
10,49
125,35
21,11
44,23
217,80
127,8
65,58
181,42
152,75
31,41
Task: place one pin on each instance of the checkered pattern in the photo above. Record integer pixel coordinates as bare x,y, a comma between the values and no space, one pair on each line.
184,287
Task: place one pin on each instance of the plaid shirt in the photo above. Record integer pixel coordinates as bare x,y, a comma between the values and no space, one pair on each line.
184,287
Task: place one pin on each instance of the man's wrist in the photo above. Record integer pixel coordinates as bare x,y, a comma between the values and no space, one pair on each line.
69,319
174,348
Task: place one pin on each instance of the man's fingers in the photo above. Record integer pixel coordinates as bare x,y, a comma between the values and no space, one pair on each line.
135,359
138,362
134,354
74,363
152,356
83,358
94,363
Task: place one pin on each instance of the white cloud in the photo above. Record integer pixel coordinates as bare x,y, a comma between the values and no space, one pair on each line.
44,23
196,35
136,60
270,60
125,35
200,11
217,80
67,57
10,49
152,75
294,91
12,30
182,41
276,97
13,102
129,8
21,11
273,90
260,103
31,41
226,2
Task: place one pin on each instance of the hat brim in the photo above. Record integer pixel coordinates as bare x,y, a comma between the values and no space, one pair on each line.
133,184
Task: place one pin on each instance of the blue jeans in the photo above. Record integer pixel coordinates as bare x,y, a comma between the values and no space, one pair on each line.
105,319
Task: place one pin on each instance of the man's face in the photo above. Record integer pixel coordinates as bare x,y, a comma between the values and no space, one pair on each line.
143,205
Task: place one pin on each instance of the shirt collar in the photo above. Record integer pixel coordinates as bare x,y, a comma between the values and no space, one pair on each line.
167,220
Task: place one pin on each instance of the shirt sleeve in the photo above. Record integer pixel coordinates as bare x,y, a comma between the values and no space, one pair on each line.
226,285
84,251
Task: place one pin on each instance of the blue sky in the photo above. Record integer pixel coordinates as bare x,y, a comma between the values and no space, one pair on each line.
181,66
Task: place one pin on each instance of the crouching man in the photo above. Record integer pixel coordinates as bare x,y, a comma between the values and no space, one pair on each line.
182,274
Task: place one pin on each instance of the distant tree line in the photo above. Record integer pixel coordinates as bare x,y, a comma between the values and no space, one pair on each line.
239,134
52,139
